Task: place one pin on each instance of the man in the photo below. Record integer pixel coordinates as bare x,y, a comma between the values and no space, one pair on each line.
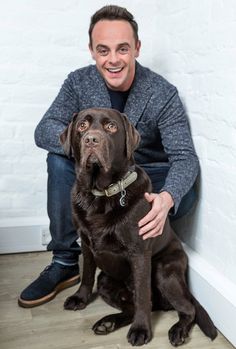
166,150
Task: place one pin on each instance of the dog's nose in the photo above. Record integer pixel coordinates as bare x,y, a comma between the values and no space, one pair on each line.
91,140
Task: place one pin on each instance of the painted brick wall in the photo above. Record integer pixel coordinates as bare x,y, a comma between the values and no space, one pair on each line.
191,43
196,50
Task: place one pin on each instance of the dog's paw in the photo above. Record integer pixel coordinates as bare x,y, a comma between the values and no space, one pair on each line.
139,336
177,335
104,326
74,303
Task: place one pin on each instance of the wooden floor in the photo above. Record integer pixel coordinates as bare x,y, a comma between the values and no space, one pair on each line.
49,326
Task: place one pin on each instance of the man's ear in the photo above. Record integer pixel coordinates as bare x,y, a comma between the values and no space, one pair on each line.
91,51
132,137
137,49
65,137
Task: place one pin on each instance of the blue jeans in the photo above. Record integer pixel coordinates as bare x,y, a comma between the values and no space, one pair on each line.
61,177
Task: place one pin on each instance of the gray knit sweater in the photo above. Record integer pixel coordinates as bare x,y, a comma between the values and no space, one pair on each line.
154,108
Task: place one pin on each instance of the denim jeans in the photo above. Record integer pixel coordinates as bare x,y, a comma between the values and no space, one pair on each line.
61,177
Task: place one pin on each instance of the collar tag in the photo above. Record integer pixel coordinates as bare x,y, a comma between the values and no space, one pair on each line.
122,199
123,193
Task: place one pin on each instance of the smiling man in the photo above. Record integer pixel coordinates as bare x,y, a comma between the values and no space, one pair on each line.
114,48
165,151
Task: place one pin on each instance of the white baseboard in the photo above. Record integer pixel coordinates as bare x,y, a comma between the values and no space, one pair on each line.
215,292
24,234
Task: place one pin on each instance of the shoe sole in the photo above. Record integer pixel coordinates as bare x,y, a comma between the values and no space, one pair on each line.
63,285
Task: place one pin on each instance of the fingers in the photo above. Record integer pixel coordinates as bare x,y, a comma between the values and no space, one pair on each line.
150,196
153,228
150,217
152,214
153,223
152,233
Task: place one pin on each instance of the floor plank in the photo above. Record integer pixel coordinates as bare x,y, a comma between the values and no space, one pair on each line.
50,326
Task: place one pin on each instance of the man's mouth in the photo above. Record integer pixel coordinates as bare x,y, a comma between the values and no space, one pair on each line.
114,70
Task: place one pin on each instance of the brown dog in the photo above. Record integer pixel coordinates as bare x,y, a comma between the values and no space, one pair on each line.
136,276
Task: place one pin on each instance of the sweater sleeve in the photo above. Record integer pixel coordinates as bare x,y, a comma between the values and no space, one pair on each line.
57,117
178,145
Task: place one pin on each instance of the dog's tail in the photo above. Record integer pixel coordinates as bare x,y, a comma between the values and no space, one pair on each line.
203,320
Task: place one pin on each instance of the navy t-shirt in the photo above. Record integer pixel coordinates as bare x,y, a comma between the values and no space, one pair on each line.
118,99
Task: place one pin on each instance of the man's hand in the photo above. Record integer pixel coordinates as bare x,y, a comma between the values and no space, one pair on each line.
153,223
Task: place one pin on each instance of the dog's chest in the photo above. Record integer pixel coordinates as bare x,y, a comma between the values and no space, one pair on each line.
103,231
110,255
101,242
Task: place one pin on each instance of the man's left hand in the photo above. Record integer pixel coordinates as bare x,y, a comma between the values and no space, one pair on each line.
153,223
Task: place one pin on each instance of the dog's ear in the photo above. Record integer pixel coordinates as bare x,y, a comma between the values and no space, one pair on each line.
65,137
132,137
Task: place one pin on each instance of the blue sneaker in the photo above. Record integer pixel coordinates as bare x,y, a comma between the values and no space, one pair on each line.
53,279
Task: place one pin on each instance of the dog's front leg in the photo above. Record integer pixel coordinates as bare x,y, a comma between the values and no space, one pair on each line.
140,331
81,298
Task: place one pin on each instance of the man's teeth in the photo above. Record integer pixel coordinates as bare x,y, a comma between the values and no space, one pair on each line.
114,70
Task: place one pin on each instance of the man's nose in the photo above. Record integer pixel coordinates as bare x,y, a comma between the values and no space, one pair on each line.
113,57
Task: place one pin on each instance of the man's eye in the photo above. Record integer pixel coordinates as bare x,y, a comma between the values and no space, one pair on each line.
103,52
83,126
123,50
110,127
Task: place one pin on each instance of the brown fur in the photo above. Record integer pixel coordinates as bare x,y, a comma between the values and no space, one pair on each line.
136,276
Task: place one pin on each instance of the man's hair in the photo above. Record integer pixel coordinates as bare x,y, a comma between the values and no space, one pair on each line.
113,12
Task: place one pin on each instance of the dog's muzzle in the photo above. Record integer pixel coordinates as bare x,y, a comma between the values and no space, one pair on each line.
95,150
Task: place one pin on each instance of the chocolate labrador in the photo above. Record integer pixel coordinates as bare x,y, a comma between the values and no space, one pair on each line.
137,276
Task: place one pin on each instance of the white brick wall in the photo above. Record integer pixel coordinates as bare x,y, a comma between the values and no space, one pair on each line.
191,43
196,50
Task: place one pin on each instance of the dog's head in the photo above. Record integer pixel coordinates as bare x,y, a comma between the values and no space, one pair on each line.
101,138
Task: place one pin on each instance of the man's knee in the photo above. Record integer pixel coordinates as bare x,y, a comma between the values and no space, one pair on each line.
60,167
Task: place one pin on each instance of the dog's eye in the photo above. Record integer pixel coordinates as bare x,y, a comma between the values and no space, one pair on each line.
83,125
110,127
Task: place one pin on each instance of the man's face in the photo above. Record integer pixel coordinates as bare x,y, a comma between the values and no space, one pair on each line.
114,49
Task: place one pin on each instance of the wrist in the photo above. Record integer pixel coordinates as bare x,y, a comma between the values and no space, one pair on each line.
169,202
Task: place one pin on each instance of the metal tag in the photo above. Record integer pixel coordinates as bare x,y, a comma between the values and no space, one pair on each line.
122,198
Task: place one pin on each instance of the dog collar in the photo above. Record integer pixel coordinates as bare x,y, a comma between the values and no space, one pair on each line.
118,187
